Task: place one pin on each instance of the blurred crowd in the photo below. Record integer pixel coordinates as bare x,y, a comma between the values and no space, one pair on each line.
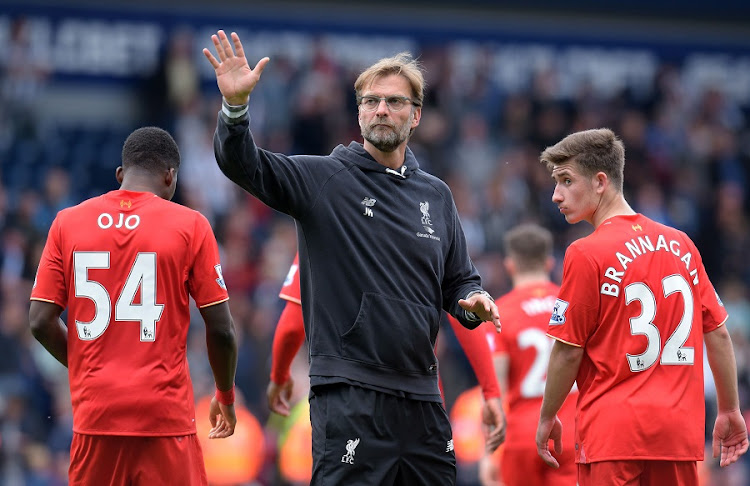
687,163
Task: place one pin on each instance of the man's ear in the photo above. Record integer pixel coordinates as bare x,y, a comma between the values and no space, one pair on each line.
417,117
602,181
119,174
509,265
169,176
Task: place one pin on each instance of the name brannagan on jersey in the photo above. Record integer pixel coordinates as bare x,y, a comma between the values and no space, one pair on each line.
643,245
636,297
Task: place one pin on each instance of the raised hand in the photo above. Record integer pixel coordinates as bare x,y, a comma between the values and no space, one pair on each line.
233,74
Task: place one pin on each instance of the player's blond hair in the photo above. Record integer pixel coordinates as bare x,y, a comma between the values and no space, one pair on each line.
596,150
402,64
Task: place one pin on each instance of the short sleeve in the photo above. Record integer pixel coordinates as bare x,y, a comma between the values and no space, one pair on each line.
290,289
206,280
576,309
714,313
50,284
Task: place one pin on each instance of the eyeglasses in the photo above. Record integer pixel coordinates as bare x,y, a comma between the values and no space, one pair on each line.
394,103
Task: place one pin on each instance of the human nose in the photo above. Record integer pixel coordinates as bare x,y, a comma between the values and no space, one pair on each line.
556,195
382,107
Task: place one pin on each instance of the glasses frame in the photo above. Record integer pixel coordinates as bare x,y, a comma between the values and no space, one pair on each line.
405,99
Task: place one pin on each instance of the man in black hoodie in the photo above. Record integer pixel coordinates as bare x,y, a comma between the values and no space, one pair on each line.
382,253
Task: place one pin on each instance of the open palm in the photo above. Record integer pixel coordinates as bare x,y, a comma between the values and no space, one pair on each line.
233,74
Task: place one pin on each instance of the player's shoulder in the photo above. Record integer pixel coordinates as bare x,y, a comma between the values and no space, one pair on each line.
89,205
173,209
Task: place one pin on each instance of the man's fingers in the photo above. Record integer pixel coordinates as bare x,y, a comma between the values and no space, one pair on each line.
716,447
226,47
558,445
217,45
211,58
548,459
238,45
261,66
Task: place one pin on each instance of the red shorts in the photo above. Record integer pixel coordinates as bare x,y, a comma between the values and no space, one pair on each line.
117,460
524,467
638,473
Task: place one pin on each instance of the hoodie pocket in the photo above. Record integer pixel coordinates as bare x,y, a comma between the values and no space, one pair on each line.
393,333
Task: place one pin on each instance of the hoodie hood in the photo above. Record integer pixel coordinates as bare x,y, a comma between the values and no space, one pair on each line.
356,153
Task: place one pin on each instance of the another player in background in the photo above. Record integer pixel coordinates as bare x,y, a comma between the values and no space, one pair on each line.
382,255
634,309
124,265
290,334
521,353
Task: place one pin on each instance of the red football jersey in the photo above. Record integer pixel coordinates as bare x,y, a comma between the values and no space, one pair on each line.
525,313
636,296
123,264
290,288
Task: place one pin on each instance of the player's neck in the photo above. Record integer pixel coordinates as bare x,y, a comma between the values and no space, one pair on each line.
136,188
393,160
530,278
610,206
135,182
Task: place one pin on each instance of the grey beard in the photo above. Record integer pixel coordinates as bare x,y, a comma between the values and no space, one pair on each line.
386,141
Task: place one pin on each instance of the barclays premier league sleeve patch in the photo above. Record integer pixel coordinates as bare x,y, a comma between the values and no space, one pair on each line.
220,280
558,313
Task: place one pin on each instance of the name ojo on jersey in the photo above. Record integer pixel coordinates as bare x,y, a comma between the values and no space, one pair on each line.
105,220
637,248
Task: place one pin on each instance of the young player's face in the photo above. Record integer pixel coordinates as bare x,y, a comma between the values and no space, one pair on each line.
575,194
385,128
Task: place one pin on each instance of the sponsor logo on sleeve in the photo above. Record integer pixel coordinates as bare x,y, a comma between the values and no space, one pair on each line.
290,275
220,280
558,313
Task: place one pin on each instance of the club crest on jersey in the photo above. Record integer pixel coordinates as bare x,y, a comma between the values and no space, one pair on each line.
558,313
637,227
426,220
220,280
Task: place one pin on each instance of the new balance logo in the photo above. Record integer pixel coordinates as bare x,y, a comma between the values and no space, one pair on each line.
449,446
351,445
368,202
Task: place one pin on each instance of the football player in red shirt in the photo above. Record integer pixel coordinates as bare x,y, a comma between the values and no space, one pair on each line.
521,353
124,265
634,310
290,333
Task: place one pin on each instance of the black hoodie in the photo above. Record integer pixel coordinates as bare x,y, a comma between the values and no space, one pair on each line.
382,253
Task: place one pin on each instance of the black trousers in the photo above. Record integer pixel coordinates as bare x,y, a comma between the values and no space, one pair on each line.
365,437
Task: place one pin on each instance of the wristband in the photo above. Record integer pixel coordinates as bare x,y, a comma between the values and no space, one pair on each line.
233,111
225,397
470,316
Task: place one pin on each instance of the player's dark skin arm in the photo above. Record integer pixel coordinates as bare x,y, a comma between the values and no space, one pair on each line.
49,329
221,342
